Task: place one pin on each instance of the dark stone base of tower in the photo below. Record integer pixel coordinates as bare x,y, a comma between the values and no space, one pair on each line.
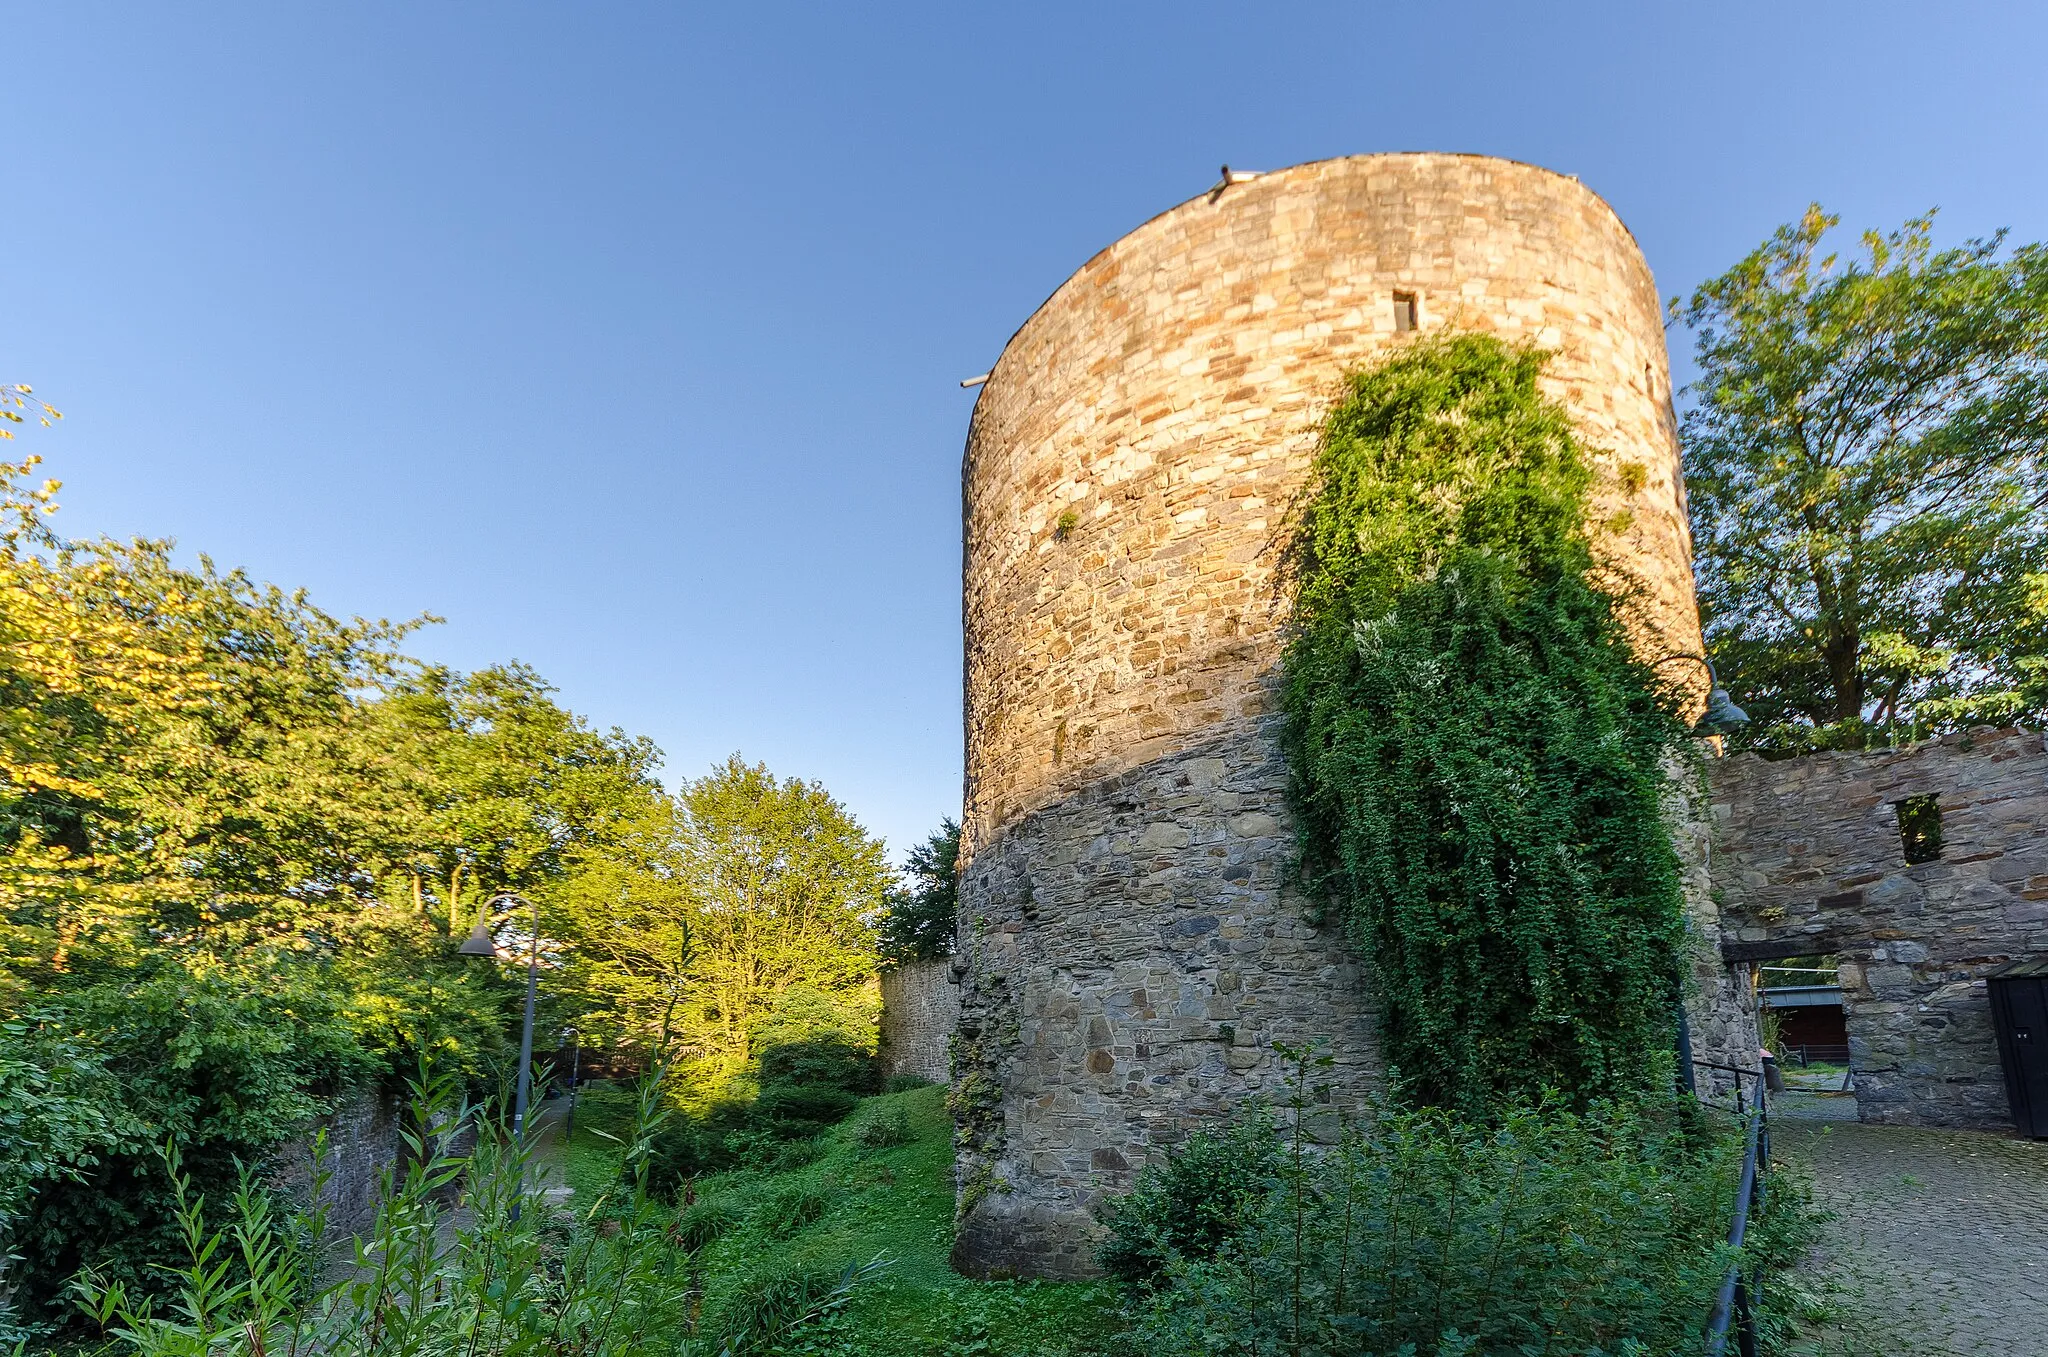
1132,956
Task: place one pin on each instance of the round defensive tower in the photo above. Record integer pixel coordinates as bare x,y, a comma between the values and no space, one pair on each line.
1130,948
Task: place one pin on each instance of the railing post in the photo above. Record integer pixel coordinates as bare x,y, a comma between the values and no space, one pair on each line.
1735,1307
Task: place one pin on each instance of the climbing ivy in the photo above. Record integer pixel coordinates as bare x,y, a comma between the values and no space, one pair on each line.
1475,751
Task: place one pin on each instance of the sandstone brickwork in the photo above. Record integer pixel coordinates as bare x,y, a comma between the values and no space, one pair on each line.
920,1009
1129,946
1808,859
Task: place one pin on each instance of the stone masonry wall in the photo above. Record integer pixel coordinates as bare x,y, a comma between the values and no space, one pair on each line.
1720,1004
1133,955
362,1141
1134,458
1808,859
920,1009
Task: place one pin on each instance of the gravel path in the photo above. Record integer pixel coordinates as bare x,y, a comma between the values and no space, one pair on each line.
1940,1241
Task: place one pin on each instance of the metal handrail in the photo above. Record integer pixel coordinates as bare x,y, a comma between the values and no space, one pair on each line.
1735,1306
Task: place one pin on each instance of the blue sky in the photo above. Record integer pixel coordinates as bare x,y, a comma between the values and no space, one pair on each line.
627,337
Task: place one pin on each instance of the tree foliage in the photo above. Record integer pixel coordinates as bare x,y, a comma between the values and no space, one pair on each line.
1867,461
736,917
1475,752
923,912
235,834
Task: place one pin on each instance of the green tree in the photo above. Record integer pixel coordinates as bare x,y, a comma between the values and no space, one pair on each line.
730,919
923,912
1867,460
236,834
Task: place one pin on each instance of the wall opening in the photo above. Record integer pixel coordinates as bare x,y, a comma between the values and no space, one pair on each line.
1407,314
1920,827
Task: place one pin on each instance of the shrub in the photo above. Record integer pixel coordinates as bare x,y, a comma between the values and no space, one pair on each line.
231,1067
766,1309
802,1109
820,1062
1192,1204
792,1208
518,1278
887,1127
1545,1231
706,1223
795,1154
677,1152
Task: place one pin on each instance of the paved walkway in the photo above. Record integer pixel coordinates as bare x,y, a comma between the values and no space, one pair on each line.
1940,1242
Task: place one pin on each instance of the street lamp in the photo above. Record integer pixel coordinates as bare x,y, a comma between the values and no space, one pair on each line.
1721,712
481,943
575,1068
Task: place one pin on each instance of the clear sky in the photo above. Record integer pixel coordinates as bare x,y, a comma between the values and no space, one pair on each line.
627,337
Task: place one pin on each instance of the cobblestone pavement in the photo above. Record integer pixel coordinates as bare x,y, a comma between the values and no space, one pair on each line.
1940,1245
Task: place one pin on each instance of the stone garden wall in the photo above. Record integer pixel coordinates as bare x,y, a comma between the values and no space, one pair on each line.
920,1009
1809,859
362,1141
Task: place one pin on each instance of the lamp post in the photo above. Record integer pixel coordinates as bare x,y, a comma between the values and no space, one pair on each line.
575,1067
480,943
1721,710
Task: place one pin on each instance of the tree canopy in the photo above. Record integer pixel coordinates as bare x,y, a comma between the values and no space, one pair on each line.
923,913
735,917
1866,454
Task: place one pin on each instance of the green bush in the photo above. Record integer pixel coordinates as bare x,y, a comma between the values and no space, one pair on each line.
1189,1207
677,1151
706,1223
1545,1231
606,1281
819,1062
231,1067
886,1128
791,1209
804,1088
1477,754
768,1308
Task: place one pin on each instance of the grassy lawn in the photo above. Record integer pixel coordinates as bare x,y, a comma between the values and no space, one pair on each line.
895,1202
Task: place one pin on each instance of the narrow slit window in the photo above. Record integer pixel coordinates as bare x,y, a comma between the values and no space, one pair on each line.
1406,314
1920,827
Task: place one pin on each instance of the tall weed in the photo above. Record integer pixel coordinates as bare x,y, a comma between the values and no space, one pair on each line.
466,1259
1593,1234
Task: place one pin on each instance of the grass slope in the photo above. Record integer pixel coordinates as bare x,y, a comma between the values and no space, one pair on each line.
850,1204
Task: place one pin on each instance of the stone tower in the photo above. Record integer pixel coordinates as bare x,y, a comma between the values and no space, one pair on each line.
1130,951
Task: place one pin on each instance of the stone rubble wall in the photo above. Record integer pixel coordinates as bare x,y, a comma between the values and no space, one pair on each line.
1134,953
920,1010
1807,855
1130,472
1720,1004
362,1141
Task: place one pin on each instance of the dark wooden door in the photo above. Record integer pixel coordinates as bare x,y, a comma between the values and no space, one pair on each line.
2025,1039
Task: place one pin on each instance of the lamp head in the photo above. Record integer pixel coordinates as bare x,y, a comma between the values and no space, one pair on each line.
1722,711
479,942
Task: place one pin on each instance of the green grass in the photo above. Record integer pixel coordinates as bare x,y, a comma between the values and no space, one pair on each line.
895,1202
